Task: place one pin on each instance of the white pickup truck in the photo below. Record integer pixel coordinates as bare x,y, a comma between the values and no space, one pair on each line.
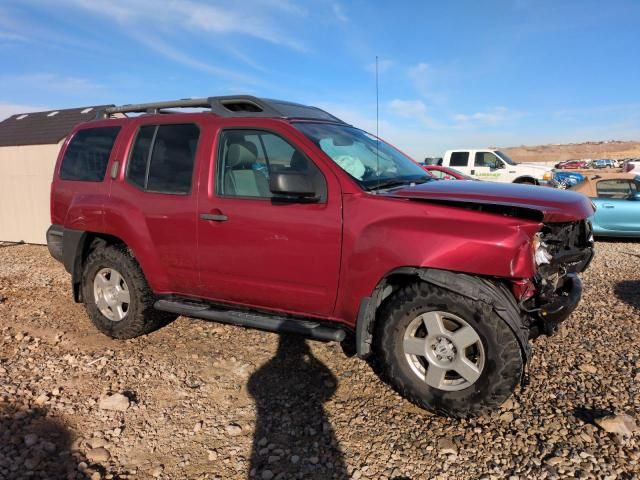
496,166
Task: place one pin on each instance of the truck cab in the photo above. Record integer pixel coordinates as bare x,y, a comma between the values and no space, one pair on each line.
496,166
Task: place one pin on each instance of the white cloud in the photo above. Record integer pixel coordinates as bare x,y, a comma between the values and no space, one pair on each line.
12,37
254,19
492,116
178,56
168,28
431,82
408,108
8,109
338,11
415,110
50,82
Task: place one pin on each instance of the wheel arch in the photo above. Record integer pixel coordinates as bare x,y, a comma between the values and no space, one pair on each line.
494,295
77,246
526,179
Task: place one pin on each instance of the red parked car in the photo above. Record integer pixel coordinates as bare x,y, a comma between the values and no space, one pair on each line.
445,173
279,216
572,164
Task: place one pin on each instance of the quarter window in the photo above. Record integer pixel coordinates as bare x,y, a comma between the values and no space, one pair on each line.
88,153
247,158
162,158
459,159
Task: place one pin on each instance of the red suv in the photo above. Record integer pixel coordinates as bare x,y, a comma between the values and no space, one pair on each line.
279,216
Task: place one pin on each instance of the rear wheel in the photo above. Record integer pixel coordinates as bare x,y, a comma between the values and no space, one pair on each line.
117,297
445,352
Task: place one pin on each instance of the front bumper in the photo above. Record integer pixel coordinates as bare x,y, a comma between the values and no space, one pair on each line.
549,315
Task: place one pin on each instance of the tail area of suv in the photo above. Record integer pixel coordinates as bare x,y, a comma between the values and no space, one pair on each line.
278,216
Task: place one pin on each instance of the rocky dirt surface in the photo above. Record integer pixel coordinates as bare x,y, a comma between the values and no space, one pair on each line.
198,400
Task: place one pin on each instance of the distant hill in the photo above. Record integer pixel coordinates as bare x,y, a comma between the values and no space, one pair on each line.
574,151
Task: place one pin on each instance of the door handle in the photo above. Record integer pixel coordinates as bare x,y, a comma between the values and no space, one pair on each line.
214,217
607,205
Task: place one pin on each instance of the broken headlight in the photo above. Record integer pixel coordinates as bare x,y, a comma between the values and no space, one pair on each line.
540,252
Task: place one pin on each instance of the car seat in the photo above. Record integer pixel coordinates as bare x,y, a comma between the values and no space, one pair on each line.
240,178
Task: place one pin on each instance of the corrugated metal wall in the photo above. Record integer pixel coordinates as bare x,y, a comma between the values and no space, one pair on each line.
25,183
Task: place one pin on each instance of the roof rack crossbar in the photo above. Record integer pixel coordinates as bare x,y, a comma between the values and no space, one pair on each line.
154,106
225,106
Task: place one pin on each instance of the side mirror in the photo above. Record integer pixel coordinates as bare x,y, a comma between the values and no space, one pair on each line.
292,184
635,196
498,165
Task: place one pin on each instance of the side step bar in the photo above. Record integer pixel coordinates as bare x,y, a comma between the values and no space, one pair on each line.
307,328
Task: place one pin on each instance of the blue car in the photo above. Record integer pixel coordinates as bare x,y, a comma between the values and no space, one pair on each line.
617,201
566,179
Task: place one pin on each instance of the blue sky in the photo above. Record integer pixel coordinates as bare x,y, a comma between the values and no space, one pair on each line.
451,74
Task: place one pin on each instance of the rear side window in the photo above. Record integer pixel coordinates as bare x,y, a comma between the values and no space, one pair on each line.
459,159
162,158
88,153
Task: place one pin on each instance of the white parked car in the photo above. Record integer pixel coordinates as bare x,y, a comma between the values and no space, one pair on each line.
496,166
632,167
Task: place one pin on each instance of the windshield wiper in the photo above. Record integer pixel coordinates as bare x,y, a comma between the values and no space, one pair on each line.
395,182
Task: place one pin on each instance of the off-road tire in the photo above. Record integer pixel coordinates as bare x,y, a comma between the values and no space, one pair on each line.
503,365
141,318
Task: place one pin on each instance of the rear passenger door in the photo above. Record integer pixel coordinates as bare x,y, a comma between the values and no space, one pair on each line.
157,204
460,161
258,250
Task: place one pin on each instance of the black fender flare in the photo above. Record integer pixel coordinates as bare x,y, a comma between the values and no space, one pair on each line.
476,288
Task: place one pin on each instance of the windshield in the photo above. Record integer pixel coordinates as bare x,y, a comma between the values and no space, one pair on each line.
505,157
369,161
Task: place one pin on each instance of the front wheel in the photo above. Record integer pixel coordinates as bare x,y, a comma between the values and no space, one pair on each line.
447,353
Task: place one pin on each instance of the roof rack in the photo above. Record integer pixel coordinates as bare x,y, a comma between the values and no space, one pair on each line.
227,106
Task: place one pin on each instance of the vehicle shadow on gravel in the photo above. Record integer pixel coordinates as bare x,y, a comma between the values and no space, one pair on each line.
293,434
33,445
629,292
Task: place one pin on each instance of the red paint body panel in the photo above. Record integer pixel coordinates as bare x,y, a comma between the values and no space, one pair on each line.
314,259
555,204
383,233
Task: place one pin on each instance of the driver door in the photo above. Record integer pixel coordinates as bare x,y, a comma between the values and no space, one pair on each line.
487,166
618,210
257,250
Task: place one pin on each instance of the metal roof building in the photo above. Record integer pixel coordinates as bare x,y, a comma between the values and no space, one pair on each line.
29,145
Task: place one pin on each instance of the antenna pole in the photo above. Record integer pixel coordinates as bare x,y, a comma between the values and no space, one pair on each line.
377,123
377,100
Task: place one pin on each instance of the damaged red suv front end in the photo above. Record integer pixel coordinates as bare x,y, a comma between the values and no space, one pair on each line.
543,274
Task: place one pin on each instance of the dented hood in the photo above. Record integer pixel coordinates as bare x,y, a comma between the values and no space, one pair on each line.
555,205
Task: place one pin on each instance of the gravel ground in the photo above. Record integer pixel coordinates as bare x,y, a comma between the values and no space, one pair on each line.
199,400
